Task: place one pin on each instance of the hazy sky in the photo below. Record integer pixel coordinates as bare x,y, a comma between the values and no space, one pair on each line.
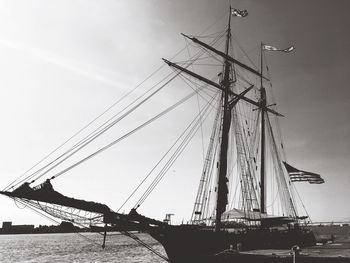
64,62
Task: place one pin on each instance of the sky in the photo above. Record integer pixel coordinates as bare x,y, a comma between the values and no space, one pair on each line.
64,62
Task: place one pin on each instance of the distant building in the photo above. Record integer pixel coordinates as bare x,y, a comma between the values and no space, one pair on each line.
22,229
6,226
64,227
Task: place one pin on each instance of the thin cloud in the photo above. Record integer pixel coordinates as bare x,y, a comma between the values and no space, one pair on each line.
64,63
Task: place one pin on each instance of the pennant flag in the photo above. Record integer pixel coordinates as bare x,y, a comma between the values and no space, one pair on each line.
302,176
287,50
239,13
271,48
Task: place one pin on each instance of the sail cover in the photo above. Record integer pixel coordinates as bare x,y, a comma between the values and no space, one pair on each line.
302,176
46,193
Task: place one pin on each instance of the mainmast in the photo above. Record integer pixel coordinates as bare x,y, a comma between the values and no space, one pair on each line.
262,103
226,123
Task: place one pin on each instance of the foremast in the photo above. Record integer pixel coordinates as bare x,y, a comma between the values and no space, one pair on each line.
222,190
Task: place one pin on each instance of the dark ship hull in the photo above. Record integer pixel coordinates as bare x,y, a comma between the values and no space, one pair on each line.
186,243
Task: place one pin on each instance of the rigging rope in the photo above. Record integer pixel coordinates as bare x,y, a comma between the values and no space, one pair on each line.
90,137
38,211
279,132
97,135
286,190
16,182
31,206
190,62
12,184
138,240
93,135
163,157
175,155
301,200
199,204
125,135
198,103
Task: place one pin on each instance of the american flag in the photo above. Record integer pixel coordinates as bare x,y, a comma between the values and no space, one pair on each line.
296,175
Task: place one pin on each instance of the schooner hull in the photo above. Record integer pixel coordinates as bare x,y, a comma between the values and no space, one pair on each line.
189,244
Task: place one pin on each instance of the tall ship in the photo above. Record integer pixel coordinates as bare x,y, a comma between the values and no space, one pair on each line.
246,196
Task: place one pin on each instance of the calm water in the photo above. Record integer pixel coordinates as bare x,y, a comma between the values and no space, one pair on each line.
73,248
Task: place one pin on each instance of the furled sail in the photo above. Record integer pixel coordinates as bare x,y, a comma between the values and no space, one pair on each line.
46,193
302,176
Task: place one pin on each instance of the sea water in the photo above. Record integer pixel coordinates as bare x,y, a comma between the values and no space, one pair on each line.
40,248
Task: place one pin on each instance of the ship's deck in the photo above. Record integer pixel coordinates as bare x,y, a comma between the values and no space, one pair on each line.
336,249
